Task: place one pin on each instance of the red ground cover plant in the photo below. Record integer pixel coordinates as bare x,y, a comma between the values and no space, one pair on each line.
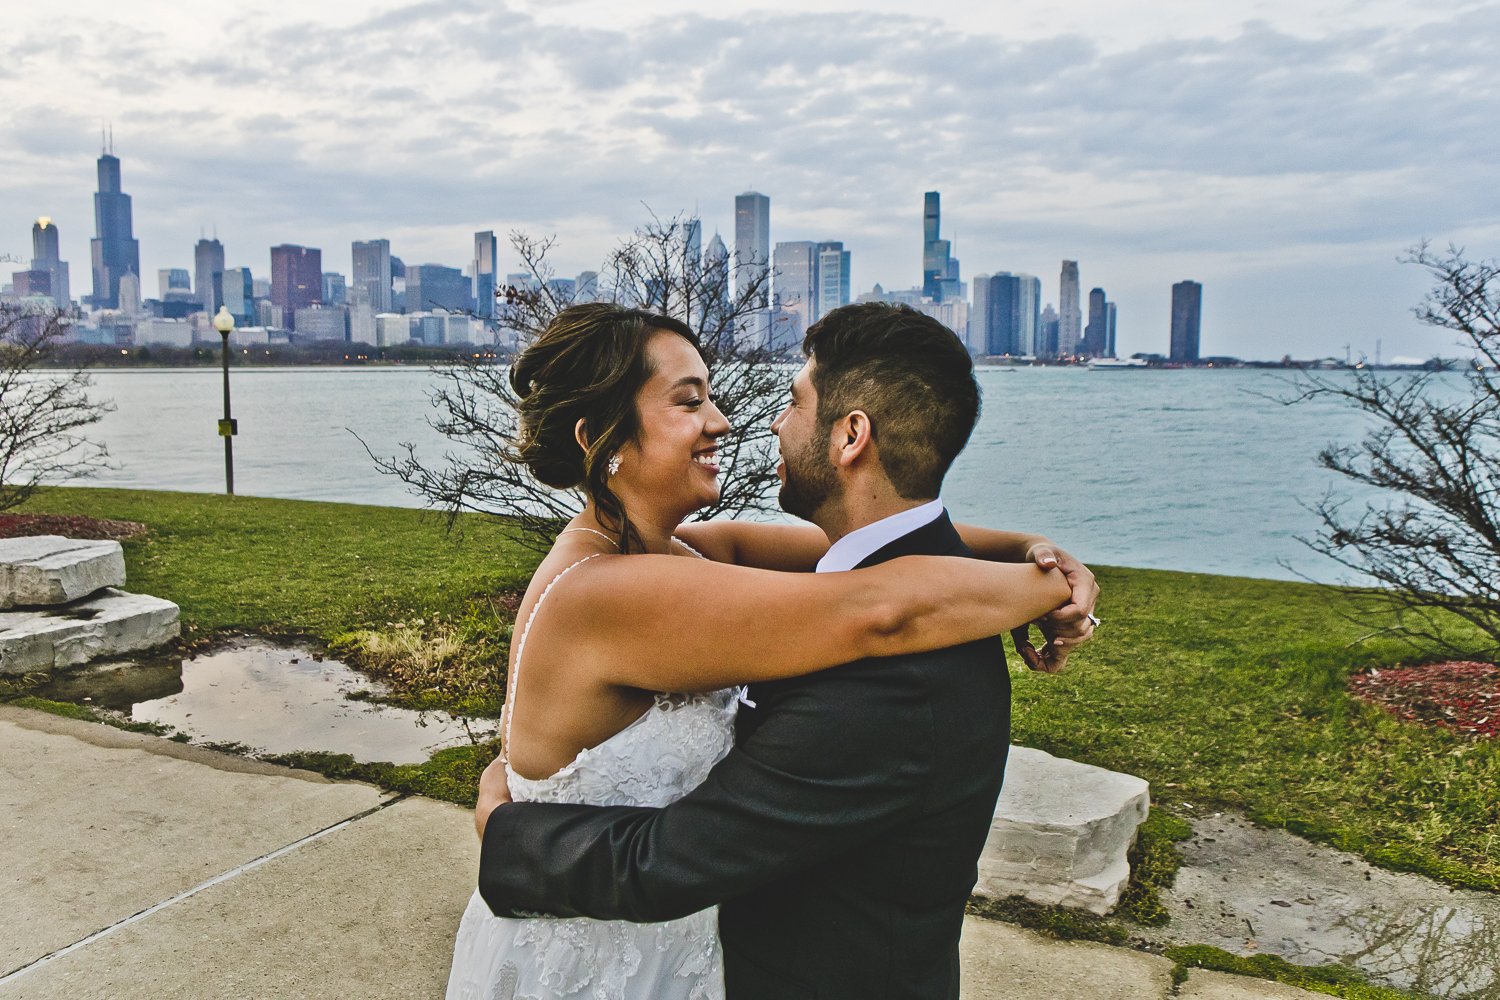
1462,695
67,525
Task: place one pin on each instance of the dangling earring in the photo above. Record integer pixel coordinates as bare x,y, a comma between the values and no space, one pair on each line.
614,464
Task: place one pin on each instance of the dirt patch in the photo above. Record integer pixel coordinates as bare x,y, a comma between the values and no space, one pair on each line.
69,526
1461,695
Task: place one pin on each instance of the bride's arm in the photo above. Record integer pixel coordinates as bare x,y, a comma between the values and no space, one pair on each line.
798,547
670,624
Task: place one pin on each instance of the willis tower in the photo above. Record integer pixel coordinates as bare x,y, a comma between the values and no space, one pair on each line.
115,249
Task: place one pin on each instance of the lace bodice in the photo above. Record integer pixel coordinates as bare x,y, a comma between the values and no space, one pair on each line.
655,760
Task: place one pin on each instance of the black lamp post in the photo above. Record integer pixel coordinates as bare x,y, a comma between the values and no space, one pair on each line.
228,428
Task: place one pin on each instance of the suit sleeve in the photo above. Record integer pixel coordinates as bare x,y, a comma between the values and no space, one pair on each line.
839,758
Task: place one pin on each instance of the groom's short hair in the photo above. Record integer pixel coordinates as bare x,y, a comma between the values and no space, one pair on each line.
910,374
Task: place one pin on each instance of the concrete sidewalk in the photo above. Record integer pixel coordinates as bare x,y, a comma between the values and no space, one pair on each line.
139,867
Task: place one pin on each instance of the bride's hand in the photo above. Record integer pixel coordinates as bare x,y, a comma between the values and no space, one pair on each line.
493,791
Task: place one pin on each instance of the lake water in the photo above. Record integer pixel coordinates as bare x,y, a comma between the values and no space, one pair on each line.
1186,469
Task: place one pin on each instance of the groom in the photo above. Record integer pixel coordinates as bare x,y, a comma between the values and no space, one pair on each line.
840,837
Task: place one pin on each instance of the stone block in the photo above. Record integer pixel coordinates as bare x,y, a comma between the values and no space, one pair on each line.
45,570
111,623
1061,831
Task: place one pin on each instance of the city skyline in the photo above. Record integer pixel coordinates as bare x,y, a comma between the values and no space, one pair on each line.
1286,161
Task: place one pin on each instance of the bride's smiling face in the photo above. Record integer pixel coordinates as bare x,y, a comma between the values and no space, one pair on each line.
674,460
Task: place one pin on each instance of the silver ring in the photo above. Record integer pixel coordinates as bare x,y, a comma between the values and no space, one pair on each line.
1096,623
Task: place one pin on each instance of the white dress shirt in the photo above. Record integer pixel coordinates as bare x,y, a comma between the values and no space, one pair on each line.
855,547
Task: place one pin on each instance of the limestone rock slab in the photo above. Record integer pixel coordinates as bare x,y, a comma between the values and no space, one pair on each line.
111,623
1061,831
52,570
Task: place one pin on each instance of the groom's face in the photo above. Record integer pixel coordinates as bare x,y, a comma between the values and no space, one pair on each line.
807,477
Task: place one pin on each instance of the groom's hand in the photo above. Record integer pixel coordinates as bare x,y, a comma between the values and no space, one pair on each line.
1070,625
493,791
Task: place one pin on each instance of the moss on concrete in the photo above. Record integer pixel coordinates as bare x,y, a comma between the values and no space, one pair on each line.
1333,980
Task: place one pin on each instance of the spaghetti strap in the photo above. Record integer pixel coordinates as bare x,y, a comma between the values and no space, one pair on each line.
515,670
694,551
591,531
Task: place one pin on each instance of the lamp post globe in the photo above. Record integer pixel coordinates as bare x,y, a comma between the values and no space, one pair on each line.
224,323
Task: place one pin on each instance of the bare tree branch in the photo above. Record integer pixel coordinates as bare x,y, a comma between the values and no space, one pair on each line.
655,269
1433,546
42,409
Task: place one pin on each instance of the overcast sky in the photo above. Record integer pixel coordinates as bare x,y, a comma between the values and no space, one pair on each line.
1284,153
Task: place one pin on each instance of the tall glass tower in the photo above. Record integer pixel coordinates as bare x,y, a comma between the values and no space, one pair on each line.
46,256
940,281
1187,315
752,245
114,247
482,276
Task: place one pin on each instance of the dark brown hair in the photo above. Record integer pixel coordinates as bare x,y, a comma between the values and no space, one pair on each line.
910,374
589,363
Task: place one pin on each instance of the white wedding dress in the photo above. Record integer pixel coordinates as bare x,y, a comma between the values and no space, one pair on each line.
655,760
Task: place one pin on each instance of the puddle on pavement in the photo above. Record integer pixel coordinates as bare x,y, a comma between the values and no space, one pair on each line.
1250,890
273,699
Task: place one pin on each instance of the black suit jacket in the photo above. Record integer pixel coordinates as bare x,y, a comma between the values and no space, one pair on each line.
840,837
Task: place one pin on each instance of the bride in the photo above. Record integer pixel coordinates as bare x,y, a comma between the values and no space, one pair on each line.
630,602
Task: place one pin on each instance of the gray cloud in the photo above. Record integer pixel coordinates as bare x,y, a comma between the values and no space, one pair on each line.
438,116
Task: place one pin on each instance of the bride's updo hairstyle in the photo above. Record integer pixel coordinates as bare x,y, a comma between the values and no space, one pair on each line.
590,364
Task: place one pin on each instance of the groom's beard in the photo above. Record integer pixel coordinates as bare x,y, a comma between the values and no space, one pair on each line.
810,481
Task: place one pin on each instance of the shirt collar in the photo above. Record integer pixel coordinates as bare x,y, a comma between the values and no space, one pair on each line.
851,550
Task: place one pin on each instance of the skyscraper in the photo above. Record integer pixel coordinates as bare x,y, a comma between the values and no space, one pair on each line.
934,263
46,256
692,246
130,294
752,245
208,268
1069,315
832,278
940,277
587,286
433,286
797,283
373,272
296,279
114,248
1002,307
1028,314
482,269
716,283
335,291
1012,307
1187,312
45,242
1046,346
979,317
239,294
1109,331
1096,334
174,284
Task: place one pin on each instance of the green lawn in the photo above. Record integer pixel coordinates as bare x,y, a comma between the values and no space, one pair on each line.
297,566
1219,690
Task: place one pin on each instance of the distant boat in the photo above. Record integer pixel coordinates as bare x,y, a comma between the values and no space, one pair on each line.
1116,364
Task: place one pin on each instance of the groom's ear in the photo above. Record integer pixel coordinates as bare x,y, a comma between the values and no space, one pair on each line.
853,437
